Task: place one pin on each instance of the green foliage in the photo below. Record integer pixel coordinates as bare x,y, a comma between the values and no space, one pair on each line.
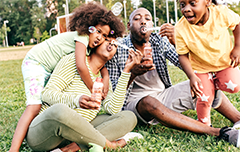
44,36
235,7
20,23
37,34
161,12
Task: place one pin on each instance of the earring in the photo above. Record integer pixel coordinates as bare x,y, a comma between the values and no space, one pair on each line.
92,29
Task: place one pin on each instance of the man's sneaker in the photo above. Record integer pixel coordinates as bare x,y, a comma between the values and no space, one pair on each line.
236,125
131,135
217,101
230,135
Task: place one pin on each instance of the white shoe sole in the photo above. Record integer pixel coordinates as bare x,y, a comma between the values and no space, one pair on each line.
131,135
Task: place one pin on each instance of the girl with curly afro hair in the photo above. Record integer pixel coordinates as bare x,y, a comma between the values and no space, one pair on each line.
95,22
90,25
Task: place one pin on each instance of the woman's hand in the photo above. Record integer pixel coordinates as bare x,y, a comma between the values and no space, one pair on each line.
134,58
87,102
195,83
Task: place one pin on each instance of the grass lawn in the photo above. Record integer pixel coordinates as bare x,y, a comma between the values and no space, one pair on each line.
19,48
156,138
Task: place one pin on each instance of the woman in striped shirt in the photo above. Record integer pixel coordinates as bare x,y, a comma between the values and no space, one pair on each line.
69,113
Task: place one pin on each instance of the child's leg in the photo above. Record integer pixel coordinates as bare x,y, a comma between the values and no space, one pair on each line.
34,76
228,80
204,102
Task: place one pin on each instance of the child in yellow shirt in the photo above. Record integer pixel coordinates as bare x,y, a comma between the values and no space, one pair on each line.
206,53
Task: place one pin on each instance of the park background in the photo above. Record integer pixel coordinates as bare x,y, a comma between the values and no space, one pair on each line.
32,20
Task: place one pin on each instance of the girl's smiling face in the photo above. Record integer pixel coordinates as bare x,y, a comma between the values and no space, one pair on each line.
195,11
99,36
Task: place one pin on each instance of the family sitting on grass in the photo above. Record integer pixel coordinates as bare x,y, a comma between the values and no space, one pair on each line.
64,110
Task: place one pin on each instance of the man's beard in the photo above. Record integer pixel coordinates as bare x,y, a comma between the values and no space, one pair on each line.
137,41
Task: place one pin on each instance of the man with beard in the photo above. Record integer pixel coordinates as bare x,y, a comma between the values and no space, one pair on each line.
150,94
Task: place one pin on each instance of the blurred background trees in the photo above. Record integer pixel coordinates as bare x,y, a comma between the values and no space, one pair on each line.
28,19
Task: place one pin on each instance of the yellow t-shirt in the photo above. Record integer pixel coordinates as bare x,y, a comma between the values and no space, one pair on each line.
209,46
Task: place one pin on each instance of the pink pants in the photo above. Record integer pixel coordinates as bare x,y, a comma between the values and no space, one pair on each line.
226,80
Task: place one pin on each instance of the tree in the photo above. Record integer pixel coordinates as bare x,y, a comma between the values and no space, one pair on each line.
38,17
37,34
44,36
161,12
20,23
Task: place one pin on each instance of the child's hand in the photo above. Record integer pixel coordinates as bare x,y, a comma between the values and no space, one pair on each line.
195,83
105,87
134,58
235,57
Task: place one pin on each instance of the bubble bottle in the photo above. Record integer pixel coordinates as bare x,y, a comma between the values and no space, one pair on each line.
97,90
148,53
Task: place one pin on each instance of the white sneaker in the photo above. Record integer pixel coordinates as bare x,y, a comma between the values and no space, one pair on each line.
131,135
56,150
236,125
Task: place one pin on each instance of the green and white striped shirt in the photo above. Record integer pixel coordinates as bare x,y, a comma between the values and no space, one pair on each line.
66,86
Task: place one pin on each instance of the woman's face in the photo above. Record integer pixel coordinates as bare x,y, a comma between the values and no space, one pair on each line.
107,49
98,37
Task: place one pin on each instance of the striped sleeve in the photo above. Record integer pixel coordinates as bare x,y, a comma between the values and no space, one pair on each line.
114,100
60,79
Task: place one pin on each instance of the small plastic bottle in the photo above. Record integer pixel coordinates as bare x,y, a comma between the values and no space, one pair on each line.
97,90
148,53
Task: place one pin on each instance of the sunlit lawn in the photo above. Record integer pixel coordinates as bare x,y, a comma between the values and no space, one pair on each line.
156,138
11,48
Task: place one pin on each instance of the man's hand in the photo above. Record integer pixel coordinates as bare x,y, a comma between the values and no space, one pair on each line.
142,68
167,29
87,102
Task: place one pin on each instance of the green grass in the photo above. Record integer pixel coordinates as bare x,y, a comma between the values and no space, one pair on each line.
156,138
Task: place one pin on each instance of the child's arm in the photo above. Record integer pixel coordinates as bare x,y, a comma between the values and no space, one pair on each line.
105,76
80,55
235,54
187,68
22,127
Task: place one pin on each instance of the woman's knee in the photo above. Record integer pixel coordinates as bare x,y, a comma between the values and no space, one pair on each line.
58,112
129,117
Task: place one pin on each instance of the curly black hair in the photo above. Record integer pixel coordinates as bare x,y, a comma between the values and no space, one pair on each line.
92,14
214,2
